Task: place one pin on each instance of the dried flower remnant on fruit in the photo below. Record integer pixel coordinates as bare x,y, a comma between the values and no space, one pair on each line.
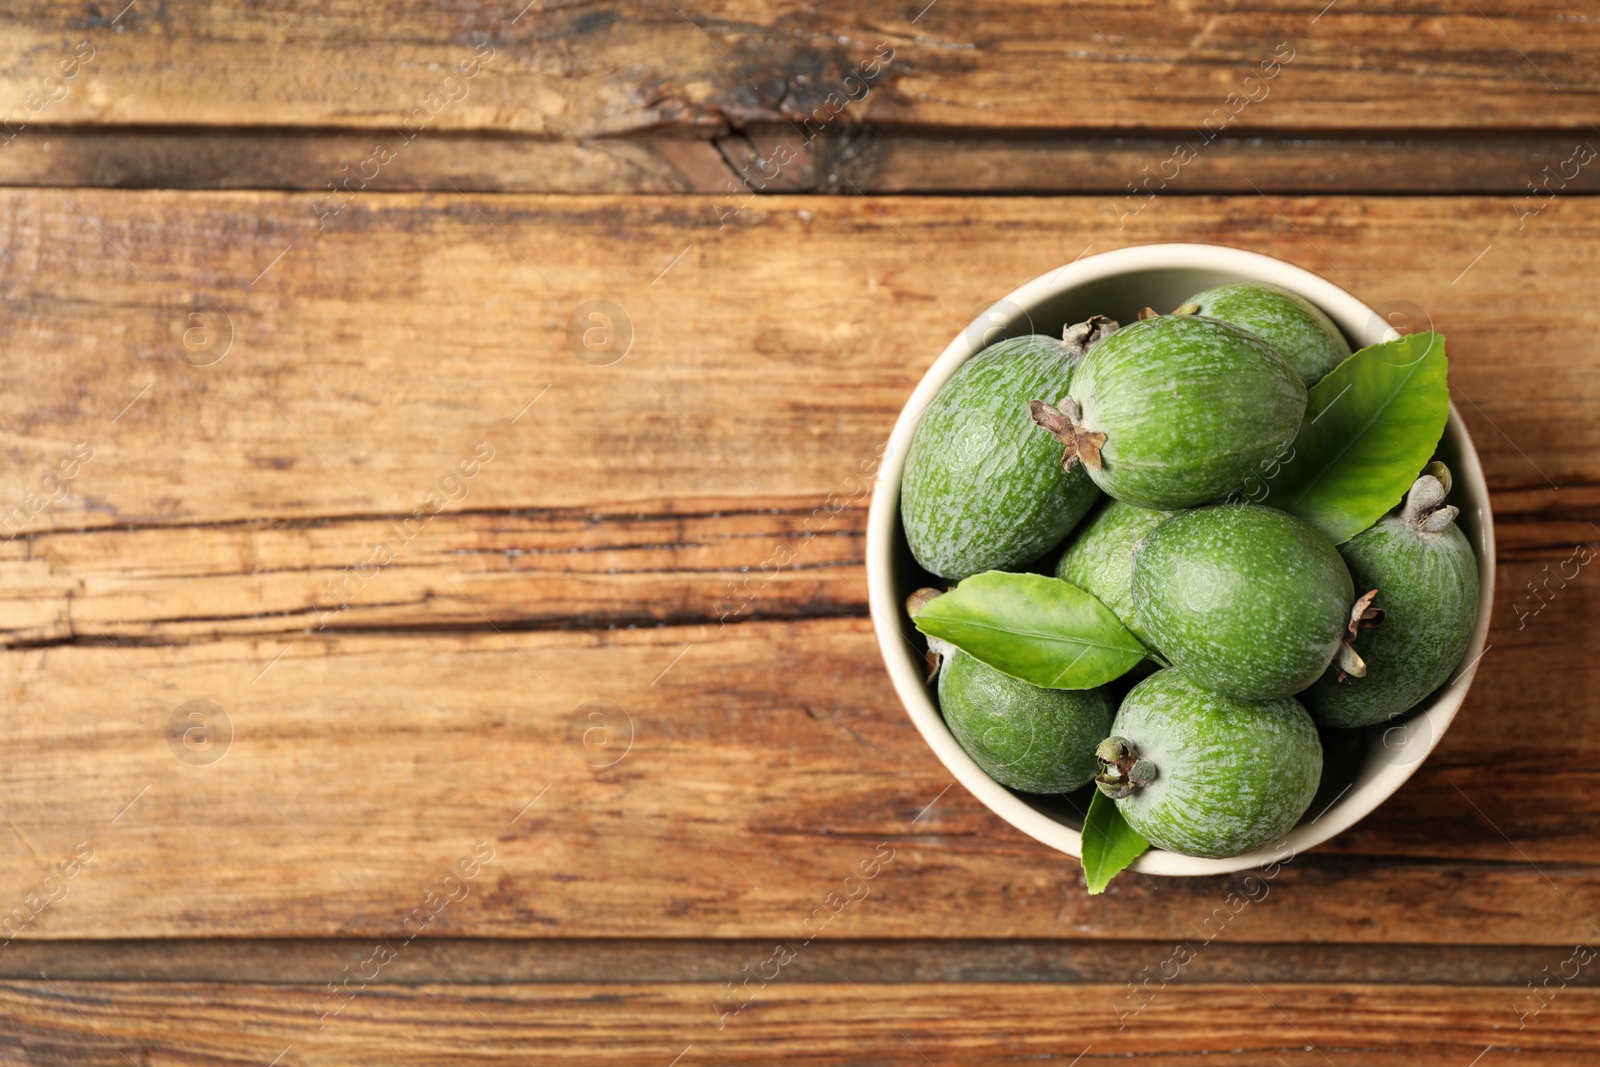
1122,772
1363,616
919,600
1064,422
1078,338
938,651
1425,509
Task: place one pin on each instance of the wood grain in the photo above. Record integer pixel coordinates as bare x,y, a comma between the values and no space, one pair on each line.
519,569
1468,162
484,626
767,762
585,70
846,161
204,157
497,961
1248,1025
373,356
769,357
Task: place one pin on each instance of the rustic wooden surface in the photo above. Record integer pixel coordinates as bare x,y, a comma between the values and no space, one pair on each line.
842,158
577,71
583,661
852,1022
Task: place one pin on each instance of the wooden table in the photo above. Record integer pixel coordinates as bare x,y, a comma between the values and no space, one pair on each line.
394,671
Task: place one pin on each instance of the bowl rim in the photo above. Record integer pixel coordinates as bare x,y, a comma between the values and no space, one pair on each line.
1415,736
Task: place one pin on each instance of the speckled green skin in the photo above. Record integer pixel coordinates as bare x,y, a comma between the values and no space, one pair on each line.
1244,599
1287,321
1232,776
1100,558
1190,407
1427,586
983,487
1032,739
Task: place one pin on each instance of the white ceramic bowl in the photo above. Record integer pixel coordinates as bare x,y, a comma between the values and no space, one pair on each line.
1118,284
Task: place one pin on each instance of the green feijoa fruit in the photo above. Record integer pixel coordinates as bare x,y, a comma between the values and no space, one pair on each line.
1032,739
1176,410
1296,327
1099,558
1205,774
1420,622
1243,599
983,488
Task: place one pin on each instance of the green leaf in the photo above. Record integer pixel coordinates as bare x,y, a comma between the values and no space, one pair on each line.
1370,426
1041,630
1109,843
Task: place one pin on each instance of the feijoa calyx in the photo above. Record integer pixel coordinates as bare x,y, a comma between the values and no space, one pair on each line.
1205,774
983,488
1176,410
1099,557
1244,599
1032,739
1426,580
1300,331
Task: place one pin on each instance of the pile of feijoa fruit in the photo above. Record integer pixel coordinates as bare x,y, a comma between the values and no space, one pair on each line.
1175,558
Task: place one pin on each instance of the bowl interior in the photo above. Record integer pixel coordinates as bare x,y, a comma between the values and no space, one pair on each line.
1120,296
1362,767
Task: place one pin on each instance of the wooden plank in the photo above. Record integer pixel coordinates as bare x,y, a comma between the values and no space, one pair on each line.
470,962
254,158
520,569
868,160
575,72
767,762
1244,1025
372,354
540,569
1272,162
